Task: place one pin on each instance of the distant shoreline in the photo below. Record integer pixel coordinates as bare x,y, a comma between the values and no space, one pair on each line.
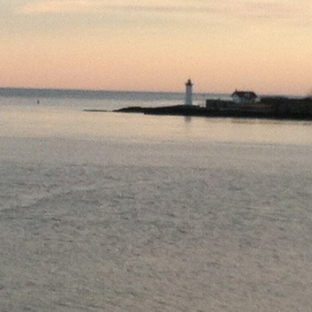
267,107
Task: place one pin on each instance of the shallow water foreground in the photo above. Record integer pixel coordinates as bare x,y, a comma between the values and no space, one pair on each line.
110,225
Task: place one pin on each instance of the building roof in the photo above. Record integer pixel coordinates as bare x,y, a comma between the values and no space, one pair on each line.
189,83
245,94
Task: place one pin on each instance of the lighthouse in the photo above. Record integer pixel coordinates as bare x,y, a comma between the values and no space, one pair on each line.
188,92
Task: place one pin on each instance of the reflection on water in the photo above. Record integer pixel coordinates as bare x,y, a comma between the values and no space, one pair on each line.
270,131
50,121
119,212
188,119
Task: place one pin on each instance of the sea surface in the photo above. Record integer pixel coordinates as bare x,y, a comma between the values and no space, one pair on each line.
128,212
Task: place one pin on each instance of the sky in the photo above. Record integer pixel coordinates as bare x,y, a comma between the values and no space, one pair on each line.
156,45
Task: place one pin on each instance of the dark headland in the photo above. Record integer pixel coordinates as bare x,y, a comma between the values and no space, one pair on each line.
266,107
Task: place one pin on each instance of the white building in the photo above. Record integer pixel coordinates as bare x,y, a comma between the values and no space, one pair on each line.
188,92
244,97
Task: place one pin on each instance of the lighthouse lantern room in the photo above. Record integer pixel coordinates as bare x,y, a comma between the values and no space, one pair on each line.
188,92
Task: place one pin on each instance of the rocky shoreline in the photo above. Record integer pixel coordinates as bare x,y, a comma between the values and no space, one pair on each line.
267,107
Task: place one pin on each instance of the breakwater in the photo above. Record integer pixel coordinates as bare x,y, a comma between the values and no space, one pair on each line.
266,107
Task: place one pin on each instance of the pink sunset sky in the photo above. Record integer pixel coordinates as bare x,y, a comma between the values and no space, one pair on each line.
260,45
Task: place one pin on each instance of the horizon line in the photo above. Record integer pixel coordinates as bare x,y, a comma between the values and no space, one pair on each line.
124,90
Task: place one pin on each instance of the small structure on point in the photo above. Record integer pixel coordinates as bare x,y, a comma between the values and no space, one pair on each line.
244,97
188,92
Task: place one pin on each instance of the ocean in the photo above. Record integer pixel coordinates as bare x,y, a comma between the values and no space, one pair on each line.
127,212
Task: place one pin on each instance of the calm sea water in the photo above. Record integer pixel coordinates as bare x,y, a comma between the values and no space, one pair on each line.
127,212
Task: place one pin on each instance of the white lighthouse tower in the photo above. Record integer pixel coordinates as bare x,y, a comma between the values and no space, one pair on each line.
188,92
